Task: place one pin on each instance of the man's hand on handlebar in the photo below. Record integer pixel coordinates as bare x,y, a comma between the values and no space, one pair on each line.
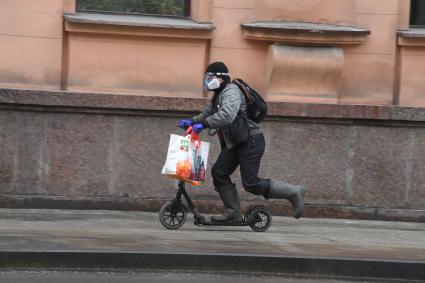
185,123
197,128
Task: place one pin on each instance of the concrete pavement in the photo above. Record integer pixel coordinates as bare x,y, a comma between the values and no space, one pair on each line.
69,238
126,276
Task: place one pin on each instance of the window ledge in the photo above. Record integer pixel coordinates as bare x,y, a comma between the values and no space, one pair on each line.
413,32
411,37
136,25
302,32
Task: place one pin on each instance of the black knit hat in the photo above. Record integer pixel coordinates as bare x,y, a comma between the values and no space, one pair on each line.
217,67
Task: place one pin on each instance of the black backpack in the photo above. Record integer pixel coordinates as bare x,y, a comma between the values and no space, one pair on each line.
257,107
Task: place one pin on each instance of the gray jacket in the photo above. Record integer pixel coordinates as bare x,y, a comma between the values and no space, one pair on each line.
227,113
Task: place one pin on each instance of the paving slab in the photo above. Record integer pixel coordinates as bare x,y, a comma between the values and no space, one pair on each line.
367,248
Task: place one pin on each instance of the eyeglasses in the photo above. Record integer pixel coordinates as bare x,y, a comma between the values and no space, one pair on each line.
209,75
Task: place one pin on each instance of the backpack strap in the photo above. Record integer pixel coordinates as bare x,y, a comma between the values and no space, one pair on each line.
248,99
241,86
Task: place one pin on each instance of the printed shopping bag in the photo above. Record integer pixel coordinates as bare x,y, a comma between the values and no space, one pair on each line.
187,158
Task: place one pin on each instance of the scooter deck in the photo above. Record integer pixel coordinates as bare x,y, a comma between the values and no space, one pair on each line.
245,222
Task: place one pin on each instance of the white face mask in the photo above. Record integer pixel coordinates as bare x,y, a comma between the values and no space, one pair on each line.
213,84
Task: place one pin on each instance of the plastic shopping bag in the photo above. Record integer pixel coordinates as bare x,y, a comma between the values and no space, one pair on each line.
187,158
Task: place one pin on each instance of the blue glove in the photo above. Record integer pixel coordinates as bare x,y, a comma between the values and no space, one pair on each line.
184,123
197,128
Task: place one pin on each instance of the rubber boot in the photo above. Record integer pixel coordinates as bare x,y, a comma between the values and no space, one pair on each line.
230,198
295,195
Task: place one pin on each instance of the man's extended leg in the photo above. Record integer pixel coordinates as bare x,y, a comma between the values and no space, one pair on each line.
250,154
250,157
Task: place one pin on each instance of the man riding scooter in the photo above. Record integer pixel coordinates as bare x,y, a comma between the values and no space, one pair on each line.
242,144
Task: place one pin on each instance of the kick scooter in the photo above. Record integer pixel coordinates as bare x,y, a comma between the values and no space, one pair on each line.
173,214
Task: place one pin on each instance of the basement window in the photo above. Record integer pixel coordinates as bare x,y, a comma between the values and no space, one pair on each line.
173,8
417,13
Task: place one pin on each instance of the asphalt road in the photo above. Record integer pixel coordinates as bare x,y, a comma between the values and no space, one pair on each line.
46,276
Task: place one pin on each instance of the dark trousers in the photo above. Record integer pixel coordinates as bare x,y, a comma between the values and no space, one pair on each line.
247,155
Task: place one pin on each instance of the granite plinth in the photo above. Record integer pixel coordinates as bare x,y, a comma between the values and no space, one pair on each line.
90,102
83,150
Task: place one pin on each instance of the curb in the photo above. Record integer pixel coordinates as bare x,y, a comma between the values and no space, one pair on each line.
318,266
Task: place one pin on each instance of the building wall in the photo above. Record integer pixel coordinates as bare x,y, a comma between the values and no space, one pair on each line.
31,36
368,76
101,141
74,150
149,66
412,83
36,52
244,58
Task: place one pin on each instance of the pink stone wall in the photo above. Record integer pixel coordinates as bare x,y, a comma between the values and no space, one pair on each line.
136,65
369,71
245,59
412,85
31,37
36,52
317,11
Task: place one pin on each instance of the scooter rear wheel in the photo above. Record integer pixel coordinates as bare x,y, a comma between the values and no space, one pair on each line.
263,215
172,216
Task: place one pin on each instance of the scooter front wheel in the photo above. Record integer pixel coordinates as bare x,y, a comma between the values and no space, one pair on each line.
172,215
261,219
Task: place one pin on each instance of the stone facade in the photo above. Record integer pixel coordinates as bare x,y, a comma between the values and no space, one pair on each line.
76,150
87,101
353,51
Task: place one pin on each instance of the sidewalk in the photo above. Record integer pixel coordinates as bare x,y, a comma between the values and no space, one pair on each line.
69,238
